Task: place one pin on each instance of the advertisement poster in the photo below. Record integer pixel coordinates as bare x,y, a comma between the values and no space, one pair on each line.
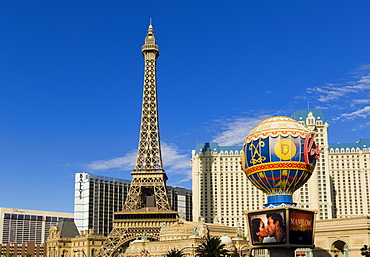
301,227
267,227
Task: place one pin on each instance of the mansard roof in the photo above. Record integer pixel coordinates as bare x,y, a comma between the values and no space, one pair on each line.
301,115
214,147
67,228
361,144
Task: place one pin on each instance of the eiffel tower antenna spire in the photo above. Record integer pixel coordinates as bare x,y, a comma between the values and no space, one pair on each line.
146,206
148,187
149,156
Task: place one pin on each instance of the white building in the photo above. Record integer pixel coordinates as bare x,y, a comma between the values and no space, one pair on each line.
98,197
21,226
221,190
181,200
339,186
316,194
350,174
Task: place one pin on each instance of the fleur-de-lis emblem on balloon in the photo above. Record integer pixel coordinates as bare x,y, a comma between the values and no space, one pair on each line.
256,153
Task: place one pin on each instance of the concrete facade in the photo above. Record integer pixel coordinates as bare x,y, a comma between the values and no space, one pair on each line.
66,241
221,190
341,237
350,175
23,249
20,226
316,194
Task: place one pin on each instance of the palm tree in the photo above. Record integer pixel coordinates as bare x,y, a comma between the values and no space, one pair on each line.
8,255
28,255
212,248
174,253
365,251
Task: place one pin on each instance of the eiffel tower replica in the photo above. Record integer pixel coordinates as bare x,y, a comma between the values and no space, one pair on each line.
146,207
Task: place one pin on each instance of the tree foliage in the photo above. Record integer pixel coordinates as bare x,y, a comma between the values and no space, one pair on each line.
175,253
365,250
213,247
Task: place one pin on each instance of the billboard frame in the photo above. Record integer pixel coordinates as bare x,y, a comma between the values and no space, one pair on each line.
297,225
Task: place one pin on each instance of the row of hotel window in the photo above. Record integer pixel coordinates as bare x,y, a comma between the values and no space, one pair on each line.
33,217
352,150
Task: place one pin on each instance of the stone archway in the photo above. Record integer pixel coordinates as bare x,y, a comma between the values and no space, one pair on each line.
121,248
120,236
339,248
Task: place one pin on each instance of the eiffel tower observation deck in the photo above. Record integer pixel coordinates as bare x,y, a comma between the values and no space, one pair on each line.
147,207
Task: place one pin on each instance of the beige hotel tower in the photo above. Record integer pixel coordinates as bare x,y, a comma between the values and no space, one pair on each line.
339,187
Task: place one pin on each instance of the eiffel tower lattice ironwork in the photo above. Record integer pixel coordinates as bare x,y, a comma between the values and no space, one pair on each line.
147,205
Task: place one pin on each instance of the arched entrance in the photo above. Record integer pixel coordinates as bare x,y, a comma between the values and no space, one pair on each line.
339,248
117,248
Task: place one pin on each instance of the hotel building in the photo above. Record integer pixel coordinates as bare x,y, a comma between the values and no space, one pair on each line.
350,174
20,226
181,200
221,191
24,249
98,197
316,194
339,187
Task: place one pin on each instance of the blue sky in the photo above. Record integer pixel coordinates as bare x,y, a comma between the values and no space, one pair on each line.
72,73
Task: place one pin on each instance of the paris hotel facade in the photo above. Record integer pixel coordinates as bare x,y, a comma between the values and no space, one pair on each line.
339,187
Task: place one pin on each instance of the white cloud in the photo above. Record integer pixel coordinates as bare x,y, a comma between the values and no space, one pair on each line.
355,102
236,129
362,113
321,107
174,162
365,67
333,92
361,126
127,162
349,100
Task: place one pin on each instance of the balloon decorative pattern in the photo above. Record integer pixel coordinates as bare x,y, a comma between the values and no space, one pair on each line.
278,157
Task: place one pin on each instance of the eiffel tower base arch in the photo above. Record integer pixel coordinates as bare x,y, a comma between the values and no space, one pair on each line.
128,226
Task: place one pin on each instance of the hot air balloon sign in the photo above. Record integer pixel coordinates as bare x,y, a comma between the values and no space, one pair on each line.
278,157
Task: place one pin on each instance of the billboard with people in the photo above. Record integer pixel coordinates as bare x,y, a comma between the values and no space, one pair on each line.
281,227
268,227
